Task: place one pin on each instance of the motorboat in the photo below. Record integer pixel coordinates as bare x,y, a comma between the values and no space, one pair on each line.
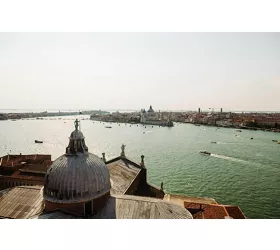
36,141
108,127
205,152
213,142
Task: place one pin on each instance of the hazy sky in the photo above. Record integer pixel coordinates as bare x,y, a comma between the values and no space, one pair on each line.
236,71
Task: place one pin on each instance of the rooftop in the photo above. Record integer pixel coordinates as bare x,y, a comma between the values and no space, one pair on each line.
21,202
122,173
213,211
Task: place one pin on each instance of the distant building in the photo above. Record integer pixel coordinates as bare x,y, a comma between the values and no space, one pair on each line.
150,110
155,118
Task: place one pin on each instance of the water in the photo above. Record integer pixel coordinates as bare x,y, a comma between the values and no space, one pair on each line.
241,171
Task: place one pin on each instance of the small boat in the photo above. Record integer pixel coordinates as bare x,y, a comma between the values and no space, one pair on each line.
274,140
213,142
205,152
196,124
238,130
108,127
36,141
252,138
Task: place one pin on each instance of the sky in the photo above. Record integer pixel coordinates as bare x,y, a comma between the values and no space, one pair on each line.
117,71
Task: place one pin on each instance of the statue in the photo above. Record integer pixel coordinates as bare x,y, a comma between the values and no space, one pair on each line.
76,124
142,164
123,153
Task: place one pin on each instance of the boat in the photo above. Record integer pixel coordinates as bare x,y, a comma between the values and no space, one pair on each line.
196,124
252,138
238,130
108,127
205,152
274,140
213,142
36,141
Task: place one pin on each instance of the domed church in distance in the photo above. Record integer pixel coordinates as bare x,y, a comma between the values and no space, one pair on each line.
80,184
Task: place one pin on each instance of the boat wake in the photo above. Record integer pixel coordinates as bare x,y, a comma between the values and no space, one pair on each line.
230,158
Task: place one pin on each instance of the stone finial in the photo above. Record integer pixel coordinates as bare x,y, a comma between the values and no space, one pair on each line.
103,157
161,186
142,161
123,148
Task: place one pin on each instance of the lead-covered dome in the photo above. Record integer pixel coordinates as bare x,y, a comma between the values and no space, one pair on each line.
77,176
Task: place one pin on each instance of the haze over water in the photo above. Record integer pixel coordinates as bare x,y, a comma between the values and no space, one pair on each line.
241,171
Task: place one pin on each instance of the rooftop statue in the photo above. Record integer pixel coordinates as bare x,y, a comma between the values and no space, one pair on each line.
76,122
123,148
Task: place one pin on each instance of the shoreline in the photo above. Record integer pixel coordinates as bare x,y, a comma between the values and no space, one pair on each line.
237,127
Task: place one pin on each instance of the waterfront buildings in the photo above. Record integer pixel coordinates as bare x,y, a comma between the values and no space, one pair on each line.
155,118
79,184
149,117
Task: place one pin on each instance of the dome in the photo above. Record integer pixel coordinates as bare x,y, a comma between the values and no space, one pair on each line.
76,134
77,176
151,109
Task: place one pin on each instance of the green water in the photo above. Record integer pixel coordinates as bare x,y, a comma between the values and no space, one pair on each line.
241,172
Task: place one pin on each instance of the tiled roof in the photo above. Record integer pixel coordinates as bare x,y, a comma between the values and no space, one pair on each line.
122,173
35,168
235,212
213,211
21,202
129,207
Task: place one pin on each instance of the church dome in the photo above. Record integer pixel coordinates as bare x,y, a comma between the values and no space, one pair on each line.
77,176
77,134
151,109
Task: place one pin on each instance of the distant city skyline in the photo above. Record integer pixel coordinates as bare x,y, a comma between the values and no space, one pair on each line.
130,71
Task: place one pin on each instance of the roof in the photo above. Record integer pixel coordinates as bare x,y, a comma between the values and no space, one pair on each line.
213,211
77,134
129,207
235,212
76,178
21,202
122,173
136,207
35,168
181,199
